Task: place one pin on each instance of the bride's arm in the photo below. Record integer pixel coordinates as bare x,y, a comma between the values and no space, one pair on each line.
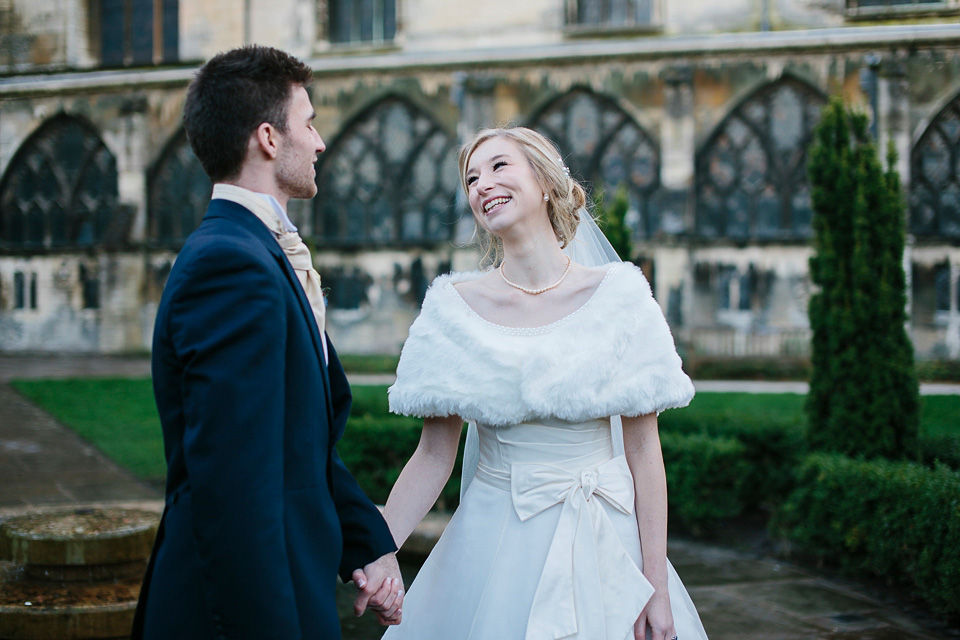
641,443
423,477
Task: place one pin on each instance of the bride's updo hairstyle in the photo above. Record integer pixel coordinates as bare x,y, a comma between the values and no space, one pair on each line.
566,197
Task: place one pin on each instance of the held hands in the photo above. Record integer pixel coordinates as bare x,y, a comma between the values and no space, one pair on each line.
656,619
380,587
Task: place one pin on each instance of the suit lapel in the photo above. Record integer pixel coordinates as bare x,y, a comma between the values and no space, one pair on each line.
243,217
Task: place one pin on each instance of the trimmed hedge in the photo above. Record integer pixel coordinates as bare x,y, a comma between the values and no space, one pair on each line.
707,479
794,368
944,449
770,453
897,521
376,444
717,368
939,370
714,472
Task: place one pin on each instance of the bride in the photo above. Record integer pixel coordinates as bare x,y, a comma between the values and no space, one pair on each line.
561,530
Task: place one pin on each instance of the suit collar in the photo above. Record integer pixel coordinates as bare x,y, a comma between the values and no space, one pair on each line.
240,215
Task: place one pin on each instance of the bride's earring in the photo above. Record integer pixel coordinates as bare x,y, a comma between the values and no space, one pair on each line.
546,198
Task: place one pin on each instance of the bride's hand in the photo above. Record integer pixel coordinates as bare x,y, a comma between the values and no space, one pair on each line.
380,587
658,616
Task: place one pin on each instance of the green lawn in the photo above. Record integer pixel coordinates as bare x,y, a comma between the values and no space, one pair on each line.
119,417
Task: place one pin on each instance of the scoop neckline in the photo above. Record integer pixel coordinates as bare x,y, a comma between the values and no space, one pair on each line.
538,329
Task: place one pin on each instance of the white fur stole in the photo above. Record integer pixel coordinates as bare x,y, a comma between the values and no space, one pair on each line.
613,355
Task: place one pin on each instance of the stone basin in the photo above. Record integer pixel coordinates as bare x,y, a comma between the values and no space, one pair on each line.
72,575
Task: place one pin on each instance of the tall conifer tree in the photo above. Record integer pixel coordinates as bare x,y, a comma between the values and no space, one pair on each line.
863,390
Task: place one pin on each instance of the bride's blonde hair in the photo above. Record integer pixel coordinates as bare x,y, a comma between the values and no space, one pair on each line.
566,197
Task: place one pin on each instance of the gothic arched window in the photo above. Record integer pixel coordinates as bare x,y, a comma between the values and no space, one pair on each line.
60,190
752,171
389,179
179,192
605,148
935,177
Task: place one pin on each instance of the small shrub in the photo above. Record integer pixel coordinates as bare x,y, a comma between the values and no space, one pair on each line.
779,368
706,477
611,217
897,521
942,448
375,451
770,450
939,370
369,363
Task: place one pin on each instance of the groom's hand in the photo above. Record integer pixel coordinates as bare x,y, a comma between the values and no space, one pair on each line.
380,587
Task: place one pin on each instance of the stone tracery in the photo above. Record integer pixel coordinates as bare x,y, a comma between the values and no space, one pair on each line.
751,174
605,148
389,178
60,190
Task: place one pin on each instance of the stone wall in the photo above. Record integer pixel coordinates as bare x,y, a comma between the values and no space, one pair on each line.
723,295
43,34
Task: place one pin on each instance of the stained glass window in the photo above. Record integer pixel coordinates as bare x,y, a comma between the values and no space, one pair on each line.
179,192
935,177
613,13
752,172
138,32
353,21
89,287
60,191
856,4
941,283
19,290
605,148
389,179
24,290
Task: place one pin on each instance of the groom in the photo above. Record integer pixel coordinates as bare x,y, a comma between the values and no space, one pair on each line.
261,515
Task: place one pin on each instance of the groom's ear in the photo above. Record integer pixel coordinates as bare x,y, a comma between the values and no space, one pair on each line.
265,140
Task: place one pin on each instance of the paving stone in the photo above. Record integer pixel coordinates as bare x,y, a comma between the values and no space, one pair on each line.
705,565
727,615
882,633
809,598
52,465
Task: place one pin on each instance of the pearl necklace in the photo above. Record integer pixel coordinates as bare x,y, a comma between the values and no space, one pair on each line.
536,292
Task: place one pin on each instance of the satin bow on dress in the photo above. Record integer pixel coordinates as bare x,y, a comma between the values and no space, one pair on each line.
590,586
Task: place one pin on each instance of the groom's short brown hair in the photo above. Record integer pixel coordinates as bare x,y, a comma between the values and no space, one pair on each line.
233,94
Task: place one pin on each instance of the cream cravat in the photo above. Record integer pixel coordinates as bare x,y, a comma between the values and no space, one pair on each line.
293,247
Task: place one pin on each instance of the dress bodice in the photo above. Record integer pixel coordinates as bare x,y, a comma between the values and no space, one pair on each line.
570,469
570,446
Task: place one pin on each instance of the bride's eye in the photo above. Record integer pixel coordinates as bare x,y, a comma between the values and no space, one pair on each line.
498,164
471,180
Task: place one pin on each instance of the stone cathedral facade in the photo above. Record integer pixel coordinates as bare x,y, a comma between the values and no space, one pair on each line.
702,110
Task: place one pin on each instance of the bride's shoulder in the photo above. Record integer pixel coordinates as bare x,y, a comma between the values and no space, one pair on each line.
628,276
458,278
620,276
452,284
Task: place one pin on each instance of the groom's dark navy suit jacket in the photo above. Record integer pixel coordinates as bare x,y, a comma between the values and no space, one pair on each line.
261,515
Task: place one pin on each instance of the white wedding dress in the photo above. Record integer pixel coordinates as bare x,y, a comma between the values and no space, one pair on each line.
545,543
